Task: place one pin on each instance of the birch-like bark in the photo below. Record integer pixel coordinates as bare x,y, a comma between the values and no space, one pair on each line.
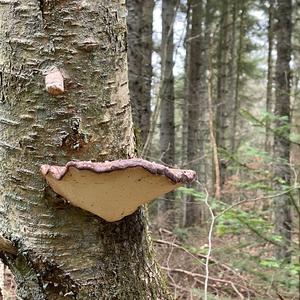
63,251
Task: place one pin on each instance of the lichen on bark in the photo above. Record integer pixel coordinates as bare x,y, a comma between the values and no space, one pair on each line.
64,252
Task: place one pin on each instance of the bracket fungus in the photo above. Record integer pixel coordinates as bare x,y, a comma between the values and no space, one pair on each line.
115,189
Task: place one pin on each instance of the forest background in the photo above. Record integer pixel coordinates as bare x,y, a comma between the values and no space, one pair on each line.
215,88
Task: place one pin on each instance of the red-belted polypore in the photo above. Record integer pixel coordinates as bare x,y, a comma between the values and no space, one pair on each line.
114,189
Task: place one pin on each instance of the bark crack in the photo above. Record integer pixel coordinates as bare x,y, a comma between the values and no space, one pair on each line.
2,96
41,4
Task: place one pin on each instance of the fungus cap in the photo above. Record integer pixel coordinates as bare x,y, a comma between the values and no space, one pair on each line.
115,189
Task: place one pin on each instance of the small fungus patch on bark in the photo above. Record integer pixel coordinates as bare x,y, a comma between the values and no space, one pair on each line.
54,82
113,190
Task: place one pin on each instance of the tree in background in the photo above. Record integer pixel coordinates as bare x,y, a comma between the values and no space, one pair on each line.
282,171
139,20
222,107
239,9
167,127
269,96
194,95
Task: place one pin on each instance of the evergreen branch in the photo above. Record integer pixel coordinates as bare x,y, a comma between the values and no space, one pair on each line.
259,234
255,199
262,124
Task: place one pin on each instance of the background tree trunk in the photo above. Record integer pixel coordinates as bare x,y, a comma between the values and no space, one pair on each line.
195,87
282,173
222,88
232,70
184,108
167,129
63,251
140,18
236,95
269,97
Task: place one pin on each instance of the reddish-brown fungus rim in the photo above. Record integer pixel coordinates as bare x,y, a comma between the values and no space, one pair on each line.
175,175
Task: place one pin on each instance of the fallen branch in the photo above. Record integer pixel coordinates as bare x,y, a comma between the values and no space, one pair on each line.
196,275
189,290
201,257
254,200
196,257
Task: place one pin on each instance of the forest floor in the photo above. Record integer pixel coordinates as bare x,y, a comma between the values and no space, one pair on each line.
240,267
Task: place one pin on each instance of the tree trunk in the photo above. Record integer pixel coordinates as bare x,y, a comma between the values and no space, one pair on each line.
167,129
295,153
269,98
221,105
184,108
236,98
232,68
63,251
195,86
140,17
210,177
282,171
